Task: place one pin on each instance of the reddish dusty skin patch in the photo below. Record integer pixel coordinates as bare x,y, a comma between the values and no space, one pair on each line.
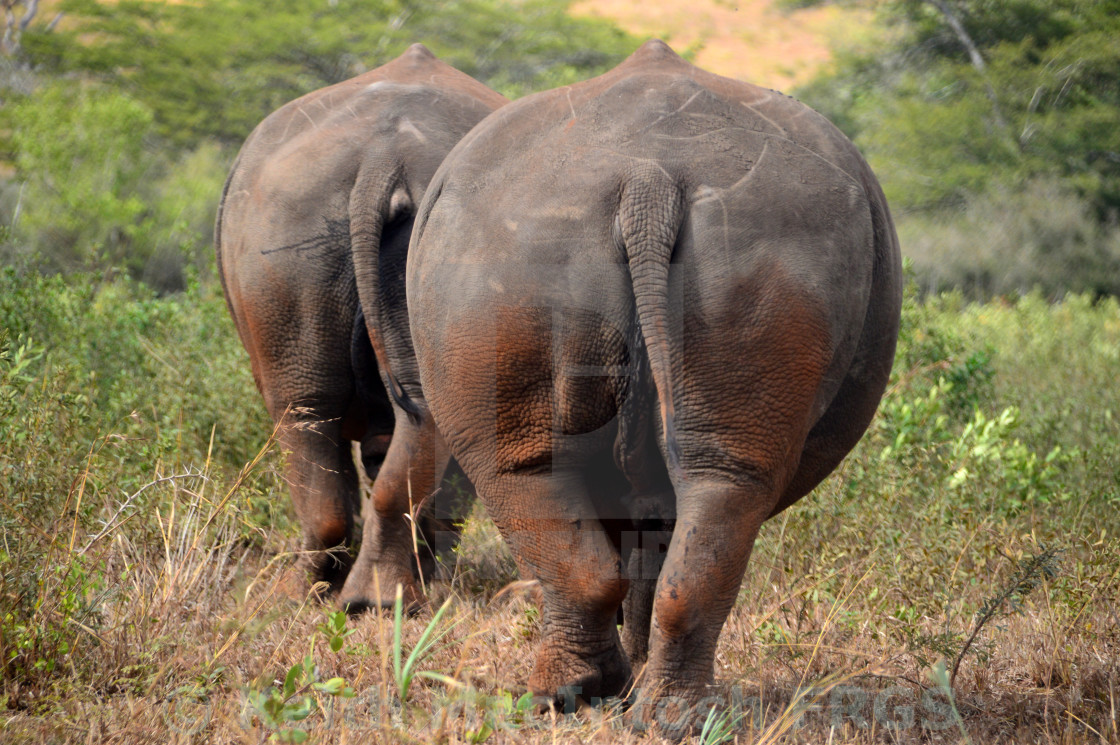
784,348
331,530
524,397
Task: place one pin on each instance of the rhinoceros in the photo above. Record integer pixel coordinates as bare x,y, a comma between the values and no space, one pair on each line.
650,311
311,237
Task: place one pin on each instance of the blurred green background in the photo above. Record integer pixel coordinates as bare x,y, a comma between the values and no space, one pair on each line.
994,126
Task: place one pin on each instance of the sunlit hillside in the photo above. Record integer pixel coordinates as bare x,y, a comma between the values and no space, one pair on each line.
752,40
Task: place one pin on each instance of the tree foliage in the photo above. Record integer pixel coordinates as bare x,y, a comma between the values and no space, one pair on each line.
1044,100
215,69
995,129
81,154
124,119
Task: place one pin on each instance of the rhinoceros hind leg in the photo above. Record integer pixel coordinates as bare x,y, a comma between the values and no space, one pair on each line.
387,557
553,529
324,483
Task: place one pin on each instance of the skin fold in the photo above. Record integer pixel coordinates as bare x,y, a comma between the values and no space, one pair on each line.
650,311
311,238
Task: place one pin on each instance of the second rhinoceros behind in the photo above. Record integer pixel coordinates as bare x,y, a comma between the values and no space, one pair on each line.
311,238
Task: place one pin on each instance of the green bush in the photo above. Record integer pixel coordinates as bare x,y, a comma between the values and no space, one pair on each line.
92,193
109,359
80,152
105,391
1009,241
181,204
997,435
1002,169
978,404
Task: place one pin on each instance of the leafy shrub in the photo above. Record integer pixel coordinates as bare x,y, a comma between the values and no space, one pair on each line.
1008,241
232,62
181,205
80,150
40,413
93,194
105,391
987,451
104,386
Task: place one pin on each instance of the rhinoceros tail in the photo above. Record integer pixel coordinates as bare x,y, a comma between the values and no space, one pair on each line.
649,217
376,199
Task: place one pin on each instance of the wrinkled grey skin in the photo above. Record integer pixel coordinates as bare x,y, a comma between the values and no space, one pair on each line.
328,184
650,311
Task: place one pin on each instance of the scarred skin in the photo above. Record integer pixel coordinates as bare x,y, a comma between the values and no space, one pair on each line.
650,311
328,184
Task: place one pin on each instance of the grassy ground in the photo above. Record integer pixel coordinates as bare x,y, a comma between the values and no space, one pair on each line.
955,581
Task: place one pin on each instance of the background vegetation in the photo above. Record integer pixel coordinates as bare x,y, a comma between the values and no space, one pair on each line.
967,551
993,127
121,120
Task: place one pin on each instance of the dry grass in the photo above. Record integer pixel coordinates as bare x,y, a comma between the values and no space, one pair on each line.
189,625
140,576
